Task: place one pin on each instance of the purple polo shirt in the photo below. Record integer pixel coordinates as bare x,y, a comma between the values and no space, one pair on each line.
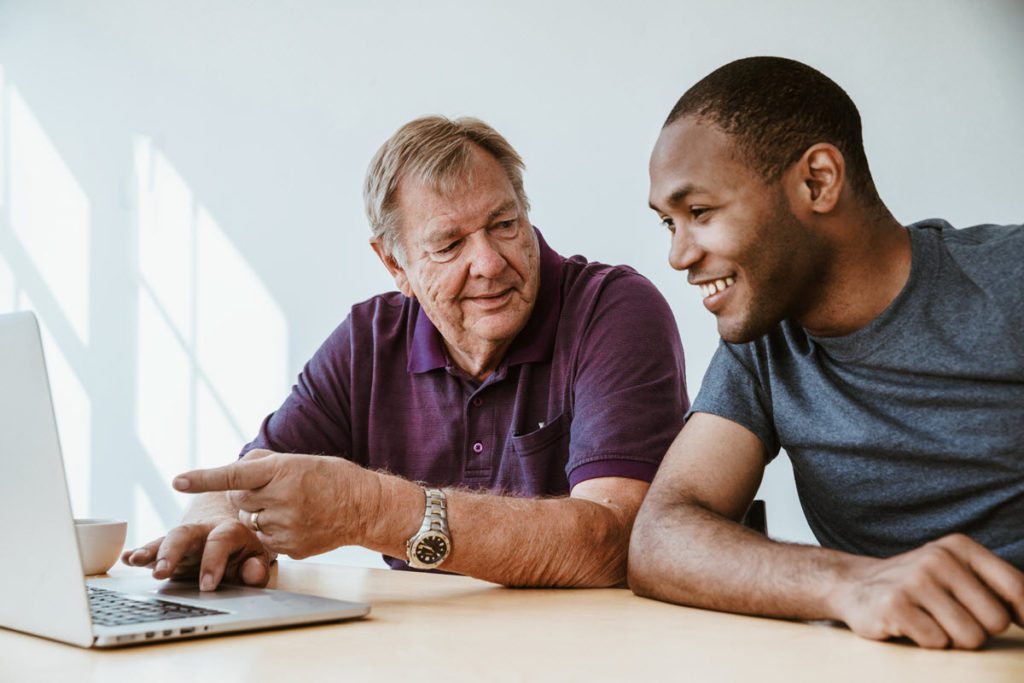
592,387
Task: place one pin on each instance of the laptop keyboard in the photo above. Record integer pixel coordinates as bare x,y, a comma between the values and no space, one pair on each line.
111,608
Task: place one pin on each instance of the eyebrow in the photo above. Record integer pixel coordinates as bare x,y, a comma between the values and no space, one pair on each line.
507,206
677,197
442,236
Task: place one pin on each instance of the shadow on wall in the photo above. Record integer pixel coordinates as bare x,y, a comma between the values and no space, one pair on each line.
201,346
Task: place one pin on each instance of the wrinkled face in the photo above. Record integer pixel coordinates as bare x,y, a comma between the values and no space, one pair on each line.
752,261
472,258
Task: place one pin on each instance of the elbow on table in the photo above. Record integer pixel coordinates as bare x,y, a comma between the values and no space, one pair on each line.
574,580
604,565
645,573
598,559
561,575
640,573
669,553
657,555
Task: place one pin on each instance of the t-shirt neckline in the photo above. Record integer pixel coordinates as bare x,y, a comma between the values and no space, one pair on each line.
861,343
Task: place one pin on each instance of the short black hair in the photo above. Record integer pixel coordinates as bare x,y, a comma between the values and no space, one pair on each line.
775,109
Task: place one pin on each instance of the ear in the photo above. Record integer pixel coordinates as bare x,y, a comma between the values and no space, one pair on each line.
820,177
397,271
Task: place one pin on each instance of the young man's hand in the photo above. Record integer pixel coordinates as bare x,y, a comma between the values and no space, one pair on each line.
952,592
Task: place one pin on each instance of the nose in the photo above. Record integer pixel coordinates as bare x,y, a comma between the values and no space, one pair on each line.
487,262
684,252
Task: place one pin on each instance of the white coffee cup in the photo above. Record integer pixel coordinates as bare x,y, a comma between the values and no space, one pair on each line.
99,543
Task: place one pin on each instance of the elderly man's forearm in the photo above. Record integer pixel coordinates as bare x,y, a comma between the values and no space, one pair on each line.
565,542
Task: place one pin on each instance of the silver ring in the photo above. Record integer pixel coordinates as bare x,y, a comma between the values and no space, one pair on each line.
254,521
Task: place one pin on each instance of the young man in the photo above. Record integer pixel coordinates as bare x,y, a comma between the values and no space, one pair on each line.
887,360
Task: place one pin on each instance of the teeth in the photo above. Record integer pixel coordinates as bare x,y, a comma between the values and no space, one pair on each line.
710,288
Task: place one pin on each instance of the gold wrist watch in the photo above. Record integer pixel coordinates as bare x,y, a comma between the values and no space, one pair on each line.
431,545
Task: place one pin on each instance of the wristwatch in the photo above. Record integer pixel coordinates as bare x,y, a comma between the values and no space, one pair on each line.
431,545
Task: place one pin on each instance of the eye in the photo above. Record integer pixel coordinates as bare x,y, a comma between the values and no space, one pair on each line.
446,252
506,226
668,224
697,211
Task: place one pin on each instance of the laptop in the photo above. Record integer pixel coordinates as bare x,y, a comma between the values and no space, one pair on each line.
42,587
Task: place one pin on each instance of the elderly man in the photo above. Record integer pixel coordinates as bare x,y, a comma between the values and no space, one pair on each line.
500,417
887,360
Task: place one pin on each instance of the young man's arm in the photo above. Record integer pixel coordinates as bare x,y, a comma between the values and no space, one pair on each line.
688,548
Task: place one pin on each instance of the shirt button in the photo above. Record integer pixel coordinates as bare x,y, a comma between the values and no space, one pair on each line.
478,447
478,401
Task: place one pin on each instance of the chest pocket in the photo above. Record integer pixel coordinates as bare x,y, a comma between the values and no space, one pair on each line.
540,458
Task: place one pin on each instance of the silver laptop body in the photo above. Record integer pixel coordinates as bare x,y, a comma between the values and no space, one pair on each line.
42,587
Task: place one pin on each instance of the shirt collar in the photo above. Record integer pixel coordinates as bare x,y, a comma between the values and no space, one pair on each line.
534,343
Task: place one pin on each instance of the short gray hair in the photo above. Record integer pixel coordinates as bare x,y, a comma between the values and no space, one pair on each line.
435,151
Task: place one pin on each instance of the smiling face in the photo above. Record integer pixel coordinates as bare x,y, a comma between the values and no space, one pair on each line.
753,261
472,259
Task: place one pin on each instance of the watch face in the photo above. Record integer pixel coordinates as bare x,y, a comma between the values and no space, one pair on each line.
431,549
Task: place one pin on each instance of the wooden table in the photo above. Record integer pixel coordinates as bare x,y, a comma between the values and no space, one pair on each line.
437,628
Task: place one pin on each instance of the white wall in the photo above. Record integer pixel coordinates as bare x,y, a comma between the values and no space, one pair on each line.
180,182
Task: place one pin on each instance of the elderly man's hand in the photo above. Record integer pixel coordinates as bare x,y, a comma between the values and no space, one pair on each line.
300,505
227,550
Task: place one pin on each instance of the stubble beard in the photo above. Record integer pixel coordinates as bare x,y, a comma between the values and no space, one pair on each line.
788,267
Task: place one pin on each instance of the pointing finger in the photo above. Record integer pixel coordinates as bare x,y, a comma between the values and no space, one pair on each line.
239,476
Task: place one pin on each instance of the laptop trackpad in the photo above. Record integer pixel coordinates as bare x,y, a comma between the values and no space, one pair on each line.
181,590
188,590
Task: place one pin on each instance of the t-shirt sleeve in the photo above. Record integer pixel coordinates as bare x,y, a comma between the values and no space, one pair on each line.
630,388
731,389
315,418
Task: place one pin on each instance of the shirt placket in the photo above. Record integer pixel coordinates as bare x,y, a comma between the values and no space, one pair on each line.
480,413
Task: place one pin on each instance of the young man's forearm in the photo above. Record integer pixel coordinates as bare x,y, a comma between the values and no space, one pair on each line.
512,541
686,554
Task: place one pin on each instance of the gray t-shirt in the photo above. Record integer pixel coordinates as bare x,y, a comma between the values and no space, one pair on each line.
913,426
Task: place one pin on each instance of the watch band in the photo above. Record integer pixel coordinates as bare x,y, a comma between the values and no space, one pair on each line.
435,516
429,547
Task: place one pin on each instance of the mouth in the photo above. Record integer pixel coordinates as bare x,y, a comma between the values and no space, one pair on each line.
715,291
490,301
